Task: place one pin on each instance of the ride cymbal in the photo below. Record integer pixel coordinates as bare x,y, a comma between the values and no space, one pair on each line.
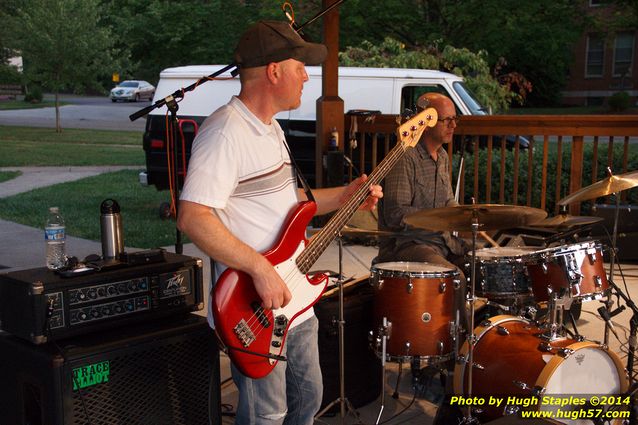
607,186
489,216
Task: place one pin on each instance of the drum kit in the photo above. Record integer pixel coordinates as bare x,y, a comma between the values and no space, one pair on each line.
516,353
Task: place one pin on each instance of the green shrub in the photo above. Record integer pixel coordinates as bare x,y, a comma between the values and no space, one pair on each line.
620,101
34,95
536,174
9,74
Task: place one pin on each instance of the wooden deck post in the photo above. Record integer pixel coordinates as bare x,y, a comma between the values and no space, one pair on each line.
329,106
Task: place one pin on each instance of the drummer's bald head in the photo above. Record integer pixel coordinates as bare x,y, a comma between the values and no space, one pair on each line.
431,100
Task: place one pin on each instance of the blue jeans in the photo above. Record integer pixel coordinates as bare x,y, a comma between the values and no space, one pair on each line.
290,394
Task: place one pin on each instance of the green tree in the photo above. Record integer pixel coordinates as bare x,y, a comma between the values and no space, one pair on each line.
63,45
470,65
532,38
162,34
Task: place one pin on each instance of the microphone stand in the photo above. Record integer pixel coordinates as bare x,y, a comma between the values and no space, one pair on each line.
342,400
171,101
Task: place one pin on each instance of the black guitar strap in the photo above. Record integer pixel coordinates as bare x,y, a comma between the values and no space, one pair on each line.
302,179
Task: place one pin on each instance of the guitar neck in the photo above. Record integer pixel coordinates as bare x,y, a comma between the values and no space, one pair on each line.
409,134
331,230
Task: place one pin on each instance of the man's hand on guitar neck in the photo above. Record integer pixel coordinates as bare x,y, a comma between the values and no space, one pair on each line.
332,198
370,202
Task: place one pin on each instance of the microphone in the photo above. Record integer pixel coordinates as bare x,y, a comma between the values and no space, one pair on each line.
604,313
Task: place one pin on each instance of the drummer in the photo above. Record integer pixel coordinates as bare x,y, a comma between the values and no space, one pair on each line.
420,181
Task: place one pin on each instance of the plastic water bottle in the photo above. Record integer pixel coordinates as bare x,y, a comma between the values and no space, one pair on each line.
55,237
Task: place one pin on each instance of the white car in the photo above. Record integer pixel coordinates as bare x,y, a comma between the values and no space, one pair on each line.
133,91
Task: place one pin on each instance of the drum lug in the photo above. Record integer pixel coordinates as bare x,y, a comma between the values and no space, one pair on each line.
478,366
592,257
598,281
457,283
439,345
409,287
545,346
536,390
442,287
486,323
522,385
511,409
502,330
376,282
544,267
565,352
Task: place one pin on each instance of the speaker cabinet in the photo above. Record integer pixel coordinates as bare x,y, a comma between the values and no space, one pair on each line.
362,367
161,373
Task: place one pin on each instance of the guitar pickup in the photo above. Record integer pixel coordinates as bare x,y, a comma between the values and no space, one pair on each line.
261,315
244,333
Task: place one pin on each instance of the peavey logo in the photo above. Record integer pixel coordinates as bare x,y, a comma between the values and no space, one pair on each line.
175,282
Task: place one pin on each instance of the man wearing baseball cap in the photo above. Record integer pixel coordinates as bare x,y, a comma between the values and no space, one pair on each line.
239,190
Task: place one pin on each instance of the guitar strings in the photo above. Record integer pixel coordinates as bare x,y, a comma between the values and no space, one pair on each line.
310,254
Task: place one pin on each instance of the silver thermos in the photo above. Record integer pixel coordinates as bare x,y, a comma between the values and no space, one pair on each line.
111,227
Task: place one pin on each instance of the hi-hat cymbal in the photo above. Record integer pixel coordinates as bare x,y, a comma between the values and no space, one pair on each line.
490,217
612,184
566,220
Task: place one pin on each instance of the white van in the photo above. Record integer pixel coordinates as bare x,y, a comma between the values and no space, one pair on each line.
387,90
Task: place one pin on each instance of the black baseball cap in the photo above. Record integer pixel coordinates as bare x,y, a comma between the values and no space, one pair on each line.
274,41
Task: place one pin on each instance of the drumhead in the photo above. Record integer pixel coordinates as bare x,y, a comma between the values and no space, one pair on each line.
504,252
412,269
590,369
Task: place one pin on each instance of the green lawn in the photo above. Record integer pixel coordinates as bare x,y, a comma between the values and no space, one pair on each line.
22,146
79,204
79,201
8,175
7,105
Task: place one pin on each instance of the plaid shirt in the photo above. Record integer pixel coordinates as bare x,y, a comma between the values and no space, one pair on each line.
416,183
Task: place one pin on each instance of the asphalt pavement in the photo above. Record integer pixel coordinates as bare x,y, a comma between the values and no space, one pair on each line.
80,112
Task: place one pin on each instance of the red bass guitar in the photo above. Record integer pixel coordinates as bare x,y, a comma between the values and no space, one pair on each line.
254,337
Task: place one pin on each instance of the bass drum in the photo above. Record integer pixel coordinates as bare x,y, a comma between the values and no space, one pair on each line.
513,359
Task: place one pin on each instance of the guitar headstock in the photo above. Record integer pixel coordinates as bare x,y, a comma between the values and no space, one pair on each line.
411,130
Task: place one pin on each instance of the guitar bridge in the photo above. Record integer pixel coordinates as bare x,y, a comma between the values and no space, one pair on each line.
244,333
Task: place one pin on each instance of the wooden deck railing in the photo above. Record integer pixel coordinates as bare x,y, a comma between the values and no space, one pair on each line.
579,148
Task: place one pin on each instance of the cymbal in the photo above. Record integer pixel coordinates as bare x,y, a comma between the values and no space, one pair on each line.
566,220
612,184
490,217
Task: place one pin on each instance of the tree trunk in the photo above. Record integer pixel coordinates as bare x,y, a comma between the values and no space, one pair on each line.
58,128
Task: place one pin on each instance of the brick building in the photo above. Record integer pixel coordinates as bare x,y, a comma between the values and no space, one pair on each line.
604,59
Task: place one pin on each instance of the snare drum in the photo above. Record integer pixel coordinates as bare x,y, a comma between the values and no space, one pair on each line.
501,272
512,359
575,271
417,299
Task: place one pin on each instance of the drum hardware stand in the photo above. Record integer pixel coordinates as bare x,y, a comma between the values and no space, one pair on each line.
471,338
342,400
383,332
633,325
